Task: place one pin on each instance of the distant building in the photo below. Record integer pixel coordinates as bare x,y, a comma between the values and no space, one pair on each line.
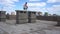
13,13
54,15
40,13
49,15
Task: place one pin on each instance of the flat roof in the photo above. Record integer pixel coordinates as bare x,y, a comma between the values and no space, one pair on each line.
25,10
2,11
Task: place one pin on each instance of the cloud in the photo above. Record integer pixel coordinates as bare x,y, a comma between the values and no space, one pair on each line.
8,5
53,1
34,9
37,9
41,4
34,0
54,9
4,2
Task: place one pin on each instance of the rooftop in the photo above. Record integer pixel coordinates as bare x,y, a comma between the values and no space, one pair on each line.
40,27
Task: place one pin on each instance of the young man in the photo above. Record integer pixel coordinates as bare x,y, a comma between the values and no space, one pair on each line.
25,6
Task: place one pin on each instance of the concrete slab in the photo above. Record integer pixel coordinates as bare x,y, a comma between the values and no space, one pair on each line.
40,27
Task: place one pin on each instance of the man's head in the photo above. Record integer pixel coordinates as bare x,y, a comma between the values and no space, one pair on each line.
26,3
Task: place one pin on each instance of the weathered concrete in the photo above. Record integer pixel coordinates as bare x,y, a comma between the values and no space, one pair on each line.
31,17
58,20
2,16
3,32
23,16
40,27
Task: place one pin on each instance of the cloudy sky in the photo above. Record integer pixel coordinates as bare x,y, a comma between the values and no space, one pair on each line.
50,6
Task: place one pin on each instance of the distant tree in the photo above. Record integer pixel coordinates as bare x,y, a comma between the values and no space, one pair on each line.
46,14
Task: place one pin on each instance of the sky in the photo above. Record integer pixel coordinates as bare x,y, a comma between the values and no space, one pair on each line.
50,6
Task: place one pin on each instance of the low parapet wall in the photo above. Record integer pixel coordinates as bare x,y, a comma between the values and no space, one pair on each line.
49,18
11,17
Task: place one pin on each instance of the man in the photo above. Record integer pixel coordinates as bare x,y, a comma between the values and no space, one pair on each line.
25,6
